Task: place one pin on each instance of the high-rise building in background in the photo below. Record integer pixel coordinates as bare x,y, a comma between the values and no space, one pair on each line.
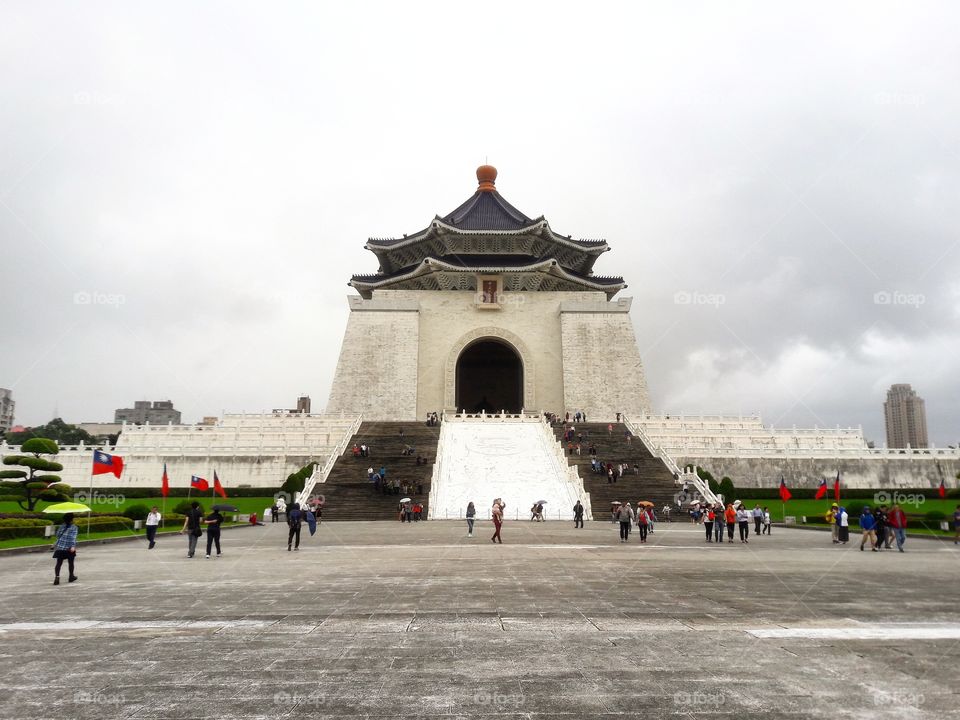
6,409
906,417
303,404
158,412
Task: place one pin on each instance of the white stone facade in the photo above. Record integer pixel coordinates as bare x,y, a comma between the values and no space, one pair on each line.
400,350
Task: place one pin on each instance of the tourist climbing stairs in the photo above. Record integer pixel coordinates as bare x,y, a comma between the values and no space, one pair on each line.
349,495
651,480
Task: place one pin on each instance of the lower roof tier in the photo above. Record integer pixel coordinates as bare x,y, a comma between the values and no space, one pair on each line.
439,274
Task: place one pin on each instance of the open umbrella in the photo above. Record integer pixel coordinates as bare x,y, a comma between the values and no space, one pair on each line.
540,502
405,500
645,503
616,502
226,508
66,507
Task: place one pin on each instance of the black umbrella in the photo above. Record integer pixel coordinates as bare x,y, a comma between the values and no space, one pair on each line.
227,508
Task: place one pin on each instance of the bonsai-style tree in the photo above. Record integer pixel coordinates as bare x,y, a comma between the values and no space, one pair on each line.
27,487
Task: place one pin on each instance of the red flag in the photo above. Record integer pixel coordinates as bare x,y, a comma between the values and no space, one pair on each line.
165,487
106,463
836,487
198,483
821,490
942,490
217,487
784,492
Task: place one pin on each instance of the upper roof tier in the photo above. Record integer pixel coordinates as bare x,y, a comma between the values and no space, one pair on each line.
472,228
485,227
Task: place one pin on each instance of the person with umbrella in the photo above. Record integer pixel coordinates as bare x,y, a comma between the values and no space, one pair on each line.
213,522
294,522
65,549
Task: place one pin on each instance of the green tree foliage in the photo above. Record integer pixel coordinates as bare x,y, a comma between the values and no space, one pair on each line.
57,430
28,487
295,481
727,490
711,480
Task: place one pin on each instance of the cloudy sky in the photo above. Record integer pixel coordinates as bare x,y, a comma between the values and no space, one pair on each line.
185,189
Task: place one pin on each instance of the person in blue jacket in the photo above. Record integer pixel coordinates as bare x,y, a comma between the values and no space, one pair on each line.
867,524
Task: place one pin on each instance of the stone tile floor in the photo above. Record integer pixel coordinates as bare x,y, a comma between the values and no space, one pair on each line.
388,620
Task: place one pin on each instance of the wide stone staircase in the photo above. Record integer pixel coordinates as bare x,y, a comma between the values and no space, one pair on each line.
653,482
350,496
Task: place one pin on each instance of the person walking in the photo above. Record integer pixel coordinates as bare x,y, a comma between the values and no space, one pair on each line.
643,524
743,520
471,516
496,512
626,517
730,516
294,523
191,525
956,526
213,522
578,515
718,523
708,519
898,523
880,526
65,549
152,523
766,520
867,526
757,519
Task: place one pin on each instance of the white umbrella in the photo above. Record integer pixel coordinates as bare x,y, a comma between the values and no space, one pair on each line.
540,502
404,499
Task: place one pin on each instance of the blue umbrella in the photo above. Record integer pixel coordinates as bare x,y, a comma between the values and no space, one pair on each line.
311,521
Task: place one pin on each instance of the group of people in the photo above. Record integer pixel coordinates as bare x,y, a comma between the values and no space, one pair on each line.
432,419
410,511
390,486
879,527
643,516
613,472
717,518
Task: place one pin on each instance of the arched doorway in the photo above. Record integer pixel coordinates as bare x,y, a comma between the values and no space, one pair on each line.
489,378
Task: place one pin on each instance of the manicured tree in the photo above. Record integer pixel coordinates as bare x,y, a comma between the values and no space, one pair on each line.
727,489
27,487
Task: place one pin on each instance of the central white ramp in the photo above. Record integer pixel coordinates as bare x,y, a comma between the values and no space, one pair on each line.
514,457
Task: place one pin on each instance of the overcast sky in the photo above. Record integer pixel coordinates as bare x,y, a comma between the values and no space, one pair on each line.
185,189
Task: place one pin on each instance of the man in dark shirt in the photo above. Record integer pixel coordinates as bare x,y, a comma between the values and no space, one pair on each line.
213,522
294,521
192,523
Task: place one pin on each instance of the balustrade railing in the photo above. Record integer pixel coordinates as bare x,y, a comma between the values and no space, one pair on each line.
320,474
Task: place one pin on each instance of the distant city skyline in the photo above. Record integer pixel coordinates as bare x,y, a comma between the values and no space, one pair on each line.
906,417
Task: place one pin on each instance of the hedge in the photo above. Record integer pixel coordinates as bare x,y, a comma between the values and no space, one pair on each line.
846,494
30,527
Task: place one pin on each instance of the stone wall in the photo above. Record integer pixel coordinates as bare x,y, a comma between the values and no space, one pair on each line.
377,370
914,472
602,370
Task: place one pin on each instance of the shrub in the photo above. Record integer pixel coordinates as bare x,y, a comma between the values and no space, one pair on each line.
182,507
137,512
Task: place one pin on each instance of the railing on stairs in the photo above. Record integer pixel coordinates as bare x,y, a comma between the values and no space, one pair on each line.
686,477
320,474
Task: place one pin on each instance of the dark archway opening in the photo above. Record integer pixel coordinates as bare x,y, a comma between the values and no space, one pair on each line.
489,378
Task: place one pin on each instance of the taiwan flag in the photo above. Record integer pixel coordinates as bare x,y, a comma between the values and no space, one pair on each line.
942,490
105,463
217,487
836,487
821,490
784,492
199,484
165,485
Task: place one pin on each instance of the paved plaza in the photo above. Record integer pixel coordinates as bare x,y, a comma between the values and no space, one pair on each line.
387,620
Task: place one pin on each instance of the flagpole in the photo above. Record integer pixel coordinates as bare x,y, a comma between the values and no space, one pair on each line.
90,499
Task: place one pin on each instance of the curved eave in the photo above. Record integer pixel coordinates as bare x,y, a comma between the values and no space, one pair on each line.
367,283
537,227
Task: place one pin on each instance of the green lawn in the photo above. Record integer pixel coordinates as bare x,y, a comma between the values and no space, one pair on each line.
30,541
243,504
816,509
